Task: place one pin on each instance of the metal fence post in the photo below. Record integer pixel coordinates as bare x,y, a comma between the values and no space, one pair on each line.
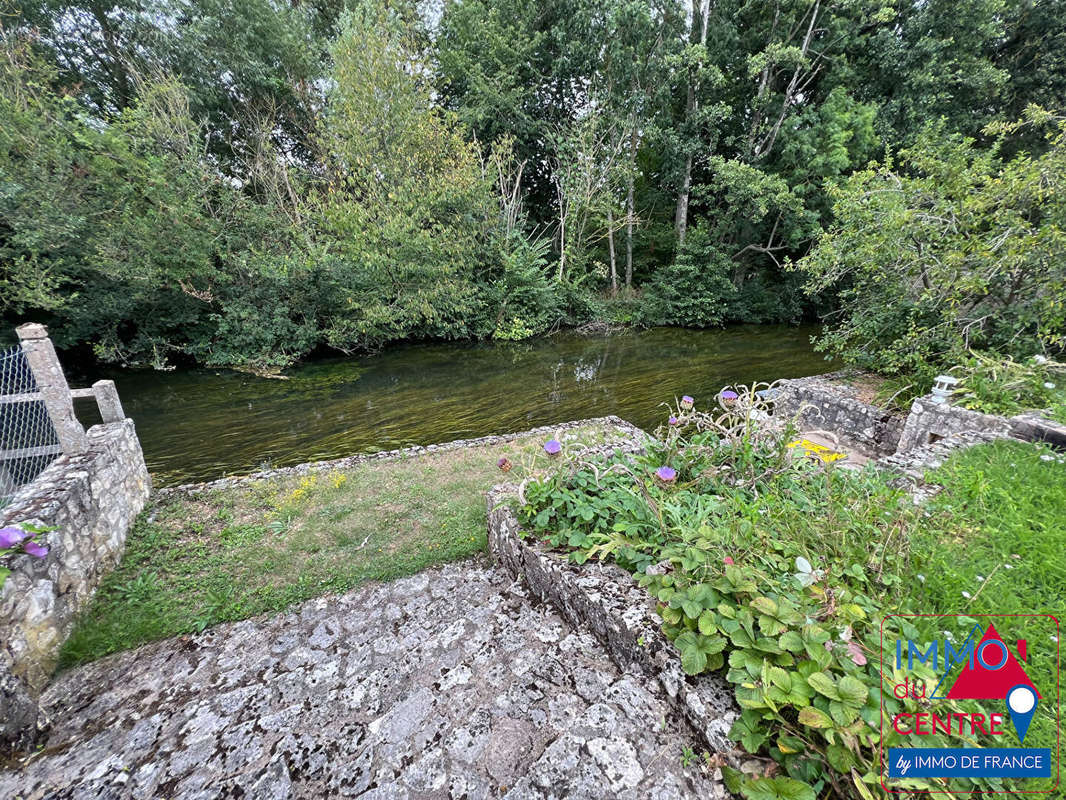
52,385
108,402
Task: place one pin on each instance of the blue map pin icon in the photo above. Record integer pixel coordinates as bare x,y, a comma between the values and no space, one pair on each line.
1021,705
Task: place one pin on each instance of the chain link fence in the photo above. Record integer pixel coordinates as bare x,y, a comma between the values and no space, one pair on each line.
28,440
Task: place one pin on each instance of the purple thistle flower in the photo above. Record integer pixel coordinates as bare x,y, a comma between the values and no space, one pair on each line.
728,395
504,464
666,474
34,549
687,402
9,537
552,447
672,420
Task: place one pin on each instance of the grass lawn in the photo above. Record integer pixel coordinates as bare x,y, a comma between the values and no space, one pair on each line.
998,534
193,561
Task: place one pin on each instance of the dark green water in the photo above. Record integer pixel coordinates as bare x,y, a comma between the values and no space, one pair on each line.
201,424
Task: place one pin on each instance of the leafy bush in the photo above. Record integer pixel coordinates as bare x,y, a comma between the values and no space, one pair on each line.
520,301
949,249
695,290
770,566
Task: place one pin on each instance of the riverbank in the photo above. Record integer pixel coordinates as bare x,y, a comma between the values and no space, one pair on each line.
228,550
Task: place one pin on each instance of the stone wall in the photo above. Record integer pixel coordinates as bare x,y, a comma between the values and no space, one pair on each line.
605,600
929,422
90,501
825,402
1034,427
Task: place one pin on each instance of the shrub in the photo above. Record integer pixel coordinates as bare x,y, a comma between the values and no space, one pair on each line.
952,248
695,290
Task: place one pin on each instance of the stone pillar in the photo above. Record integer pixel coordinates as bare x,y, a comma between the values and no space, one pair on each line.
52,385
108,402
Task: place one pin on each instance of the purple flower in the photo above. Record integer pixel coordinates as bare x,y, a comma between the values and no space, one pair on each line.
672,420
687,402
729,395
9,537
666,474
35,549
552,447
504,464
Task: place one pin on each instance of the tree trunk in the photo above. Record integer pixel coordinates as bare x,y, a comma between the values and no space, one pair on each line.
681,213
700,18
629,231
610,248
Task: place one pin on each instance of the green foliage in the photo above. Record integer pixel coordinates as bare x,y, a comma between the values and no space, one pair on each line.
952,248
774,569
403,215
245,183
998,385
521,300
695,290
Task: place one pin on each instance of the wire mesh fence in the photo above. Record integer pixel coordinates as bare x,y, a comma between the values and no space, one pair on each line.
28,440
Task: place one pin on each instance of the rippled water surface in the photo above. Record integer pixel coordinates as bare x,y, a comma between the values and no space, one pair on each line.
200,424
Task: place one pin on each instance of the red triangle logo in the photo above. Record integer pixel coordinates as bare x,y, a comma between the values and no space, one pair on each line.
979,683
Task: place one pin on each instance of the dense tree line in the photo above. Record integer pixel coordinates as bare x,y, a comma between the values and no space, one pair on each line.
247,182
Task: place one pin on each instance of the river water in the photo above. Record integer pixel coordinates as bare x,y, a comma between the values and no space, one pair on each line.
201,424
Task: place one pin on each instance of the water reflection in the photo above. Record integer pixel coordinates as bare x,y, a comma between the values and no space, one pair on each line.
199,424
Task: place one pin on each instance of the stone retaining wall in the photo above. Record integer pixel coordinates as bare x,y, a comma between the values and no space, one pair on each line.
824,402
605,600
1034,427
929,422
90,501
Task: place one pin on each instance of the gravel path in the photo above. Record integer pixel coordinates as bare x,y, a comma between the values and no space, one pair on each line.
446,684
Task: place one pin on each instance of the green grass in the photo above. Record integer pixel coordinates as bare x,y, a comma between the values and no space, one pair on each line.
191,562
998,533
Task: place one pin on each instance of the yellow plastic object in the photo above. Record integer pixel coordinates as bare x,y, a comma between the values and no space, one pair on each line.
819,451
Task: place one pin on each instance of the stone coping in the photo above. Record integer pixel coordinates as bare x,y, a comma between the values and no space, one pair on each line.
606,600
626,429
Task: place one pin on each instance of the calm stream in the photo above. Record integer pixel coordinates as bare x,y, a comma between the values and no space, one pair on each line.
201,424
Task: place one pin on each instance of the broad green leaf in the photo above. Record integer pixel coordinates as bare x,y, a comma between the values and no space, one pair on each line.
707,624
823,684
840,758
764,605
852,691
790,640
814,718
779,788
